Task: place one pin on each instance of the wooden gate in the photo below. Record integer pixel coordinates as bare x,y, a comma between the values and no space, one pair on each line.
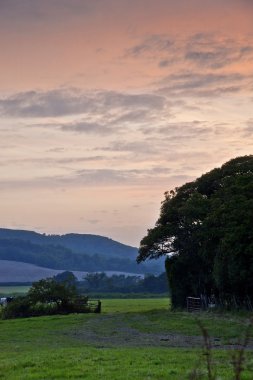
193,304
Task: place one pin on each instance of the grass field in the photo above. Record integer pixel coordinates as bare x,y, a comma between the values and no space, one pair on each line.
20,289
6,290
131,339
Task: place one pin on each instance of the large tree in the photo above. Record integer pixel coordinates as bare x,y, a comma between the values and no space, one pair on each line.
205,229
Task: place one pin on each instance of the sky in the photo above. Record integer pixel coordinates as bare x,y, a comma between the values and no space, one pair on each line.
107,104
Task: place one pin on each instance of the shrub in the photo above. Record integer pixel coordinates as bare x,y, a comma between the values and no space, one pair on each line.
47,297
18,308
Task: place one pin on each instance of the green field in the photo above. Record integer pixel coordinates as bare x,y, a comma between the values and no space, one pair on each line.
130,339
7,290
21,289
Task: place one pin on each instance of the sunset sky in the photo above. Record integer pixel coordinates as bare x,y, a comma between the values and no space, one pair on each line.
106,104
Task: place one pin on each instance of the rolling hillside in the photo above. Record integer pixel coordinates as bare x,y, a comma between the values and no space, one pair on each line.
77,243
73,252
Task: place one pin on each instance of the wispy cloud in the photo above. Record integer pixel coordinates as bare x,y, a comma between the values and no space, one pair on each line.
52,161
87,127
212,51
97,177
56,103
182,130
151,45
136,147
201,50
46,104
204,84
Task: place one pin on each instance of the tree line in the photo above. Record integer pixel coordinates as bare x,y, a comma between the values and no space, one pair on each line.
101,283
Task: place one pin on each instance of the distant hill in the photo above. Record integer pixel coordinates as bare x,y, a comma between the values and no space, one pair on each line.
77,243
14,271
83,252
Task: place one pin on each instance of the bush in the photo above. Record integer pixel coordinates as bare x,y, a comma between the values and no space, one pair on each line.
23,307
41,308
47,297
18,308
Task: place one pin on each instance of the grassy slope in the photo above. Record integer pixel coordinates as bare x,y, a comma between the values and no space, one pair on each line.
50,347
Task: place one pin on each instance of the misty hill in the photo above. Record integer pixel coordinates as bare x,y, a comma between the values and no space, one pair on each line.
71,252
14,271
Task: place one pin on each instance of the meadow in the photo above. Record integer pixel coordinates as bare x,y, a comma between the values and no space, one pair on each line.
130,339
13,290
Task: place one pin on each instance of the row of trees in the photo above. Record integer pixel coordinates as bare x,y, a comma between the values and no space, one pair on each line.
205,231
101,283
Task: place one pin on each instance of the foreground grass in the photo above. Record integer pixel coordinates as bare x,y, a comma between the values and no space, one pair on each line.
51,348
121,363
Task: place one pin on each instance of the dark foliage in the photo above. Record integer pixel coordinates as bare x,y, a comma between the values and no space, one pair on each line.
66,277
18,308
47,297
205,229
101,283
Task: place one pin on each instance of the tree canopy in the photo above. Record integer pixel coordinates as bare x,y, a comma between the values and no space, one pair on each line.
49,290
205,230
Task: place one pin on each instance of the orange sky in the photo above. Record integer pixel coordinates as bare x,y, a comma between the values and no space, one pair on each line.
107,104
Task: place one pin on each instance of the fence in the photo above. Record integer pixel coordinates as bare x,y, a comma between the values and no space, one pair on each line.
224,302
193,304
94,306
